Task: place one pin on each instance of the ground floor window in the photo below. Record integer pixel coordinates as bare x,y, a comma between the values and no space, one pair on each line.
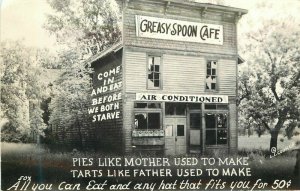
147,120
147,116
216,128
175,108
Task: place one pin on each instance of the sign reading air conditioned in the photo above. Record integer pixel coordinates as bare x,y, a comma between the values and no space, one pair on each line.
169,29
182,98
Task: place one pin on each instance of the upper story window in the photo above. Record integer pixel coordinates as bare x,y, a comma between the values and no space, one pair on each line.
211,75
154,72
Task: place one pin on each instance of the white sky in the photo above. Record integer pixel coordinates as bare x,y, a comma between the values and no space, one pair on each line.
23,19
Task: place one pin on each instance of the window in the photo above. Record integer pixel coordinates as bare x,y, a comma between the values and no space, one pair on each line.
147,105
147,115
194,106
175,109
211,75
216,129
195,121
154,72
180,130
216,106
147,120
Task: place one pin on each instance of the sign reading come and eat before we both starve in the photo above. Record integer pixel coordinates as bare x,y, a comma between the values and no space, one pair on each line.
170,29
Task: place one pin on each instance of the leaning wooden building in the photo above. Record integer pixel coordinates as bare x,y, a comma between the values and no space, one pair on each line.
170,85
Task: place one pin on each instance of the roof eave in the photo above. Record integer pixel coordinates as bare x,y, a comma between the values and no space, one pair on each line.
113,49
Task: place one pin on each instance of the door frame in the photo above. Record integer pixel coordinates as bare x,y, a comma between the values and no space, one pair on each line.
200,111
174,130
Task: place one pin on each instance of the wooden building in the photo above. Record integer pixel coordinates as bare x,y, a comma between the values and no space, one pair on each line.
170,85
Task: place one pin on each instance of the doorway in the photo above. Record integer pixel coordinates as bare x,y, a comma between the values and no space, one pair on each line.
175,139
195,124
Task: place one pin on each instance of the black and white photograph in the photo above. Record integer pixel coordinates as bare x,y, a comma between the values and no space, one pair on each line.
150,95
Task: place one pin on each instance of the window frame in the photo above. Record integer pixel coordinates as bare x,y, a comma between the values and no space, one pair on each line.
216,112
147,111
175,115
216,75
148,55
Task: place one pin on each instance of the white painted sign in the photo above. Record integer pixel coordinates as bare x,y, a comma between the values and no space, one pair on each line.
170,29
182,98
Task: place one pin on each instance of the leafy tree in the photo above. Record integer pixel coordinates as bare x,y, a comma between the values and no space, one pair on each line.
91,25
270,87
20,88
70,97
83,28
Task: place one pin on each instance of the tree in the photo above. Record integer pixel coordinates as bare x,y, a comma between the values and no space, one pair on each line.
91,25
83,28
20,88
270,87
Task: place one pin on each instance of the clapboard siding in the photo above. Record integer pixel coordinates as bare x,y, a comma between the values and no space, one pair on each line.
183,74
233,136
130,39
128,121
135,66
227,77
180,74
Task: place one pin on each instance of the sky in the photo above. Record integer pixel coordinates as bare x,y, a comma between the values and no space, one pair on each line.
23,19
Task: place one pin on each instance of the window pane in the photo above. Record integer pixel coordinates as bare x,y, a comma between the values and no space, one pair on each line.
208,86
154,121
156,68
180,108
154,105
150,84
180,130
140,121
150,76
156,76
170,109
213,86
195,120
151,60
222,120
208,65
210,121
222,137
222,106
157,60
213,72
214,64
211,137
140,105
194,105
175,108
213,79
156,83
208,71
210,106
150,65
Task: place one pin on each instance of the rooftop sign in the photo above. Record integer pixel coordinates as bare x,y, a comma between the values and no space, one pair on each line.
169,29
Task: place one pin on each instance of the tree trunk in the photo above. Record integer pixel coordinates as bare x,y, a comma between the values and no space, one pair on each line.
273,142
297,165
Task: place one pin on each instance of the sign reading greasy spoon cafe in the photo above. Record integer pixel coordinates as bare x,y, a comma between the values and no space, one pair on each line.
170,29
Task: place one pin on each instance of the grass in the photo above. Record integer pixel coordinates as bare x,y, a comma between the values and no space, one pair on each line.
45,166
262,143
